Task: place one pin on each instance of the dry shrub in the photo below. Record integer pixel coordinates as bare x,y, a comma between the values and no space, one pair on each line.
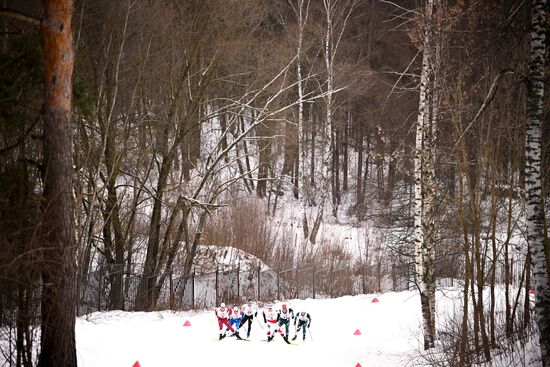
516,350
245,225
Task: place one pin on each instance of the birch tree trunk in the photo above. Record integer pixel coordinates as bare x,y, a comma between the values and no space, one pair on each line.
423,193
302,19
327,144
535,210
58,304
337,15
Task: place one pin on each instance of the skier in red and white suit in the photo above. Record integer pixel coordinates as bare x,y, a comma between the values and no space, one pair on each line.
271,318
222,313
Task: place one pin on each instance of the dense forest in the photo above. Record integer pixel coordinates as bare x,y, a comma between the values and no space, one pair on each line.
134,132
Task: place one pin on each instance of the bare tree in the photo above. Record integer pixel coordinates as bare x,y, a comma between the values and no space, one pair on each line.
337,15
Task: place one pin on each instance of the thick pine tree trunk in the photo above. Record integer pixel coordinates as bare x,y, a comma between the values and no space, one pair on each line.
535,210
58,304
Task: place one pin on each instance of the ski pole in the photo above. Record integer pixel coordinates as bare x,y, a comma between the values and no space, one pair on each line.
259,323
309,331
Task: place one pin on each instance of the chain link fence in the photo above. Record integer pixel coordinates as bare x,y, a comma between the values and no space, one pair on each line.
236,286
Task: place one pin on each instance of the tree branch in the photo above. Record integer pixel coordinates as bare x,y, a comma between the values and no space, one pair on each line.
22,17
21,138
487,101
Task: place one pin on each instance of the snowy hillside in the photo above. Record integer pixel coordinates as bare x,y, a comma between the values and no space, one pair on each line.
210,258
390,335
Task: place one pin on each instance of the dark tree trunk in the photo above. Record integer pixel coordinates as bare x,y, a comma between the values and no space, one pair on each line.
313,127
335,181
247,157
264,147
391,171
223,126
296,178
290,148
112,222
359,178
345,156
58,303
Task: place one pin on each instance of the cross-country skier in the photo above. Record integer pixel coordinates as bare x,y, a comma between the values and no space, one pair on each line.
249,311
271,318
285,314
222,313
304,321
235,319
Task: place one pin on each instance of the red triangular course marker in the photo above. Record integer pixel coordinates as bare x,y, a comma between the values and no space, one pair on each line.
358,365
136,364
186,323
532,291
375,300
357,332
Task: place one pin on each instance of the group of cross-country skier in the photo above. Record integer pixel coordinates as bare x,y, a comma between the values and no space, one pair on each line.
233,319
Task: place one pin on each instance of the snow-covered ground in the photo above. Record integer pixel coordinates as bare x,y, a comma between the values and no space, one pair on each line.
390,336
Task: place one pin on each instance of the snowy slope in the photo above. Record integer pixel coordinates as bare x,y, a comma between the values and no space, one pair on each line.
390,335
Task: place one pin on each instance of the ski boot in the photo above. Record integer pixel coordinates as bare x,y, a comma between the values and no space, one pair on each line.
222,336
270,338
237,335
286,340
295,336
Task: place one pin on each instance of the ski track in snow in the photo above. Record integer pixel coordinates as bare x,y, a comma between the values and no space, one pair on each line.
390,335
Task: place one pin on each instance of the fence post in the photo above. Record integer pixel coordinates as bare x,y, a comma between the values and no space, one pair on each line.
193,290
313,281
393,277
379,277
330,280
123,300
363,277
278,284
216,302
171,300
512,280
259,287
78,297
99,289
239,282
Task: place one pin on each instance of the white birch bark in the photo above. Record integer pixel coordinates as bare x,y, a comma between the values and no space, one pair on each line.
535,210
424,190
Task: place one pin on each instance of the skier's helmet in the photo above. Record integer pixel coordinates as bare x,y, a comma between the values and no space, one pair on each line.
302,313
235,309
269,306
222,305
